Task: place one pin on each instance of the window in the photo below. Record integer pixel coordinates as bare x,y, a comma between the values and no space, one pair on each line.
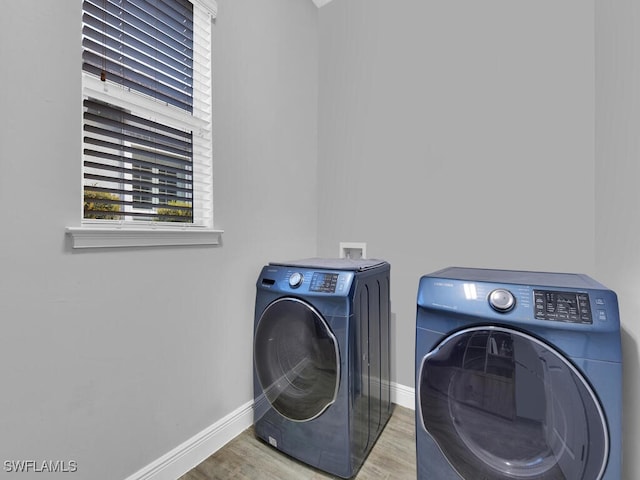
147,135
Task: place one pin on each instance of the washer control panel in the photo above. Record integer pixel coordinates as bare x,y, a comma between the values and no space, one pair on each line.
306,281
562,306
323,282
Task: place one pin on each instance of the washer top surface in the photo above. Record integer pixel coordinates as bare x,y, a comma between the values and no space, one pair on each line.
358,265
551,279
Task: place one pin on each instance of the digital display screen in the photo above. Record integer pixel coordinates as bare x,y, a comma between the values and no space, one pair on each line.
324,282
562,306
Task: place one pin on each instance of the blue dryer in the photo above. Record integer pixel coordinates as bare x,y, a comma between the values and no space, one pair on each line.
321,360
518,376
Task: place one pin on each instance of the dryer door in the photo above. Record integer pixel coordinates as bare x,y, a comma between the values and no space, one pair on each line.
296,359
503,405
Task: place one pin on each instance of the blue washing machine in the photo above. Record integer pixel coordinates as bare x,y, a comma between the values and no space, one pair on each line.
321,360
518,376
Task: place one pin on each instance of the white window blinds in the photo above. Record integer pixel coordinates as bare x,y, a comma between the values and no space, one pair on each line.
147,139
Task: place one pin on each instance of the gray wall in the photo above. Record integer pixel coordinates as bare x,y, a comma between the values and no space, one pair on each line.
446,133
618,193
456,133
113,358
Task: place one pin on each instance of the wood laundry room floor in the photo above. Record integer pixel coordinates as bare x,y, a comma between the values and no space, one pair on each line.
393,457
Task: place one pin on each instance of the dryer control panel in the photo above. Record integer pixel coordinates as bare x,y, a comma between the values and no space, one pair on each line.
562,306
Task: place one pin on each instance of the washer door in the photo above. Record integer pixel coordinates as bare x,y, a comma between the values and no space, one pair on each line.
501,405
296,359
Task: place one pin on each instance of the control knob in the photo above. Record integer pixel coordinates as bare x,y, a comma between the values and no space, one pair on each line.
502,300
295,280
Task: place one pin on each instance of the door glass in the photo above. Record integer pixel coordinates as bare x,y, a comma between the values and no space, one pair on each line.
503,405
296,359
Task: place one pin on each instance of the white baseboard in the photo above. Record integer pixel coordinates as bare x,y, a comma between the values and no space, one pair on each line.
190,453
403,396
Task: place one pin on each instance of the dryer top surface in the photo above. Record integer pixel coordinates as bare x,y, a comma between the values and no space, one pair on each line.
551,279
358,265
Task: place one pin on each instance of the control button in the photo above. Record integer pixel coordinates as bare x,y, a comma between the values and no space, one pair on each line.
501,300
599,301
295,280
602,315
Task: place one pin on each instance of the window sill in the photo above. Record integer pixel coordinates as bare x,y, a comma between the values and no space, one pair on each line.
101,237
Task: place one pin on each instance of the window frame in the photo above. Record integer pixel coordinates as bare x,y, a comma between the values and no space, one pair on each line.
96,233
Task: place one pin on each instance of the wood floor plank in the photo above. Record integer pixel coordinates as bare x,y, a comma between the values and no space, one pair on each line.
248,458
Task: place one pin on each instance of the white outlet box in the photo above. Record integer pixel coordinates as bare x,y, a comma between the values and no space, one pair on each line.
353,250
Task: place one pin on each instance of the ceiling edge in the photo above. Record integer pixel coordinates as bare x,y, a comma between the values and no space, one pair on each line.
321,3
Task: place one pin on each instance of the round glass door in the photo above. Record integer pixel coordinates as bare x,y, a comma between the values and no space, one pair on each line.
296,359
503,405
